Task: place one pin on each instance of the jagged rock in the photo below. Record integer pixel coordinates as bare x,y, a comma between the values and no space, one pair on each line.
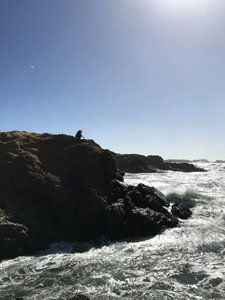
154,193
13,238
140,212
117,190
181,211
128,220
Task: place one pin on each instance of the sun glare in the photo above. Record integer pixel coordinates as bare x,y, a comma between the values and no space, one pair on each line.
185,6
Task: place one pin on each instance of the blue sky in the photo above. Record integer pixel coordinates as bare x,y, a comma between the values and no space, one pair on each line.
137,76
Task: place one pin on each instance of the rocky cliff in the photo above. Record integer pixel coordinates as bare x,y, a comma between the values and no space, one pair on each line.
55,187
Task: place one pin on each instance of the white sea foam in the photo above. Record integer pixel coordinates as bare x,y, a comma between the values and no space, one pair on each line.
185,262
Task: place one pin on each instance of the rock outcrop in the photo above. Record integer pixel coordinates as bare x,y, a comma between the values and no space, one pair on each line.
136,163
56,187
136,211
181,211
52,188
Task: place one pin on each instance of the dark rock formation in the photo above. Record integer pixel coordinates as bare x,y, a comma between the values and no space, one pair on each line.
135,163
181,211
136,211
184,167
56,187
52,188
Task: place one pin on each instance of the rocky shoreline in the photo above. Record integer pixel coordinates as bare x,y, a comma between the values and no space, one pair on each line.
56,187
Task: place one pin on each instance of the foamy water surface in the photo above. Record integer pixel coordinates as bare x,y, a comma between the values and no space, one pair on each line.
185,262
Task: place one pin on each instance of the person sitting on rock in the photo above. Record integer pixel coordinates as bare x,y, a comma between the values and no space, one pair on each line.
79,134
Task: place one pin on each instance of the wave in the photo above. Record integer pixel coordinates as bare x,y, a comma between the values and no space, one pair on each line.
181,263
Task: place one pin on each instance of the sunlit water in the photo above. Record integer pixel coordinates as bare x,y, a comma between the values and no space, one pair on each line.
185,262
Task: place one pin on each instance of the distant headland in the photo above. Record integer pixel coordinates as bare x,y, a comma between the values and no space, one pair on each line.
136,163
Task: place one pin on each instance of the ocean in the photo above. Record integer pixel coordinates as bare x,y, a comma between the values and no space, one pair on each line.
185,262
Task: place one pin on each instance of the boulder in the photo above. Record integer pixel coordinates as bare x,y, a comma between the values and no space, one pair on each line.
124,220
181,211
140,212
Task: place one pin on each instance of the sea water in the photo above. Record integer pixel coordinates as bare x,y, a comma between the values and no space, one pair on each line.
185,262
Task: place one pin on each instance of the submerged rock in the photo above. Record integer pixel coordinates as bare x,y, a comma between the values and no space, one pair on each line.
56,187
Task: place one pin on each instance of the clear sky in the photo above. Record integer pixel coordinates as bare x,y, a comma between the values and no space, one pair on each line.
137,76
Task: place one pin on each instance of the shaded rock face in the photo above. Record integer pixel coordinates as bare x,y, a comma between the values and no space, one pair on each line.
14,237
181,211
139,211
135,163
56,187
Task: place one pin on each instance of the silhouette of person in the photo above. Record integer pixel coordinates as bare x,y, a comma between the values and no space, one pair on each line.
79,134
